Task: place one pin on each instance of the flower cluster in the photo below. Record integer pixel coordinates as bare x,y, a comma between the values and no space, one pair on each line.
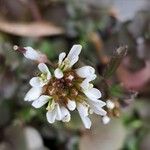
66,89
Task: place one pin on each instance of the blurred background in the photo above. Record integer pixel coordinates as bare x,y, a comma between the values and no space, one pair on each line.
53,26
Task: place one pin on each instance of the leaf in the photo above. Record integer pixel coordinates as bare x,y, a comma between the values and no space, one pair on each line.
35,29
47,48
115,62
116,90
27,114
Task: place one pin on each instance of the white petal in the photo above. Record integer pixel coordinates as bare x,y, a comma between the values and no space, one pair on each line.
85,71
67,118
86,121
100,111
33,94
96,107
58,114
93,93
31,53
65,114
83,112
61,58
44,69
97,102
51,115
91,77
110,104
42,100
105,120
74,52
73,55
83,109
85,85
71,105
58,73
36,82
84,115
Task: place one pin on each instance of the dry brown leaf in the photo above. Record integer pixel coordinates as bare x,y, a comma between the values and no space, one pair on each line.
34,29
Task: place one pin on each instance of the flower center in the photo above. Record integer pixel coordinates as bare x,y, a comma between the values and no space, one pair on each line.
68,87
43,77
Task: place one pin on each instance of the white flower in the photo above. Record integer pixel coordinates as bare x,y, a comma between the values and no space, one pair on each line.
105,119
66,89
110,104
31,54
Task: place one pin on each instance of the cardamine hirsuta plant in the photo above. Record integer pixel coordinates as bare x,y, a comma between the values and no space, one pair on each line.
65,89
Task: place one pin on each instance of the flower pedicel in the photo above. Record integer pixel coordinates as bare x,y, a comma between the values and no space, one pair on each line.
66,89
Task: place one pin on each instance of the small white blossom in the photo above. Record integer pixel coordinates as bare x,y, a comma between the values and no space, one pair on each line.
110,104
105,119
68,89
31,54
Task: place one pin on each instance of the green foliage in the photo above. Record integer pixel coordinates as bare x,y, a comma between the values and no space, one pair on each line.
47,47
26,114
116,90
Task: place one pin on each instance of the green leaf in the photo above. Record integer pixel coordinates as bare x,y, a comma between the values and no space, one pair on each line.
47,48
27,114
116,90
115,62
132,143
136,124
